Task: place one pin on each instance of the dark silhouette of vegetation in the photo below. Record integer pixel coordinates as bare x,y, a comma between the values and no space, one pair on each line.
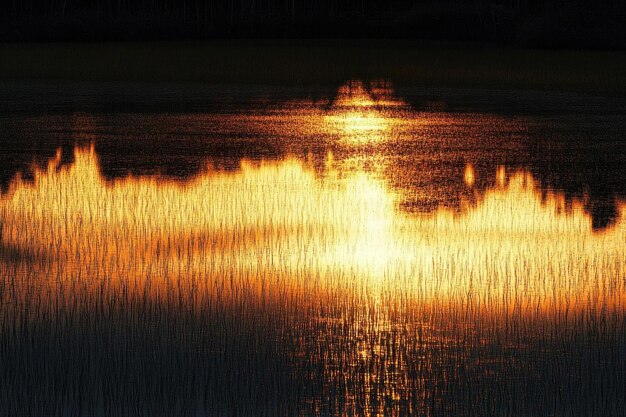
552,23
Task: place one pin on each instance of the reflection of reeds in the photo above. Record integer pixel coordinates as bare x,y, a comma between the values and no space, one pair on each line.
270,291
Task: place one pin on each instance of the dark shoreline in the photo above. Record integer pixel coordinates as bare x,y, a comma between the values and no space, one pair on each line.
317,62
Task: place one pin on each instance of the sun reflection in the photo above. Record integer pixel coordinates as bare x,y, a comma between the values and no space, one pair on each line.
353,94
362,116
363,124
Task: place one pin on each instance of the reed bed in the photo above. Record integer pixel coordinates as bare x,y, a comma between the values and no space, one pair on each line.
298,287
276,290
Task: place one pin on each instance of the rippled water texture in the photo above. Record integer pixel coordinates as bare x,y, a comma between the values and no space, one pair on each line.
362,253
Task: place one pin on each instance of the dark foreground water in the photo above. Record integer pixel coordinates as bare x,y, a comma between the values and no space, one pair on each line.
356,250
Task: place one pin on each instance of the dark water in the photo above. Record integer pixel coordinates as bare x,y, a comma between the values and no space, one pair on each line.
363,249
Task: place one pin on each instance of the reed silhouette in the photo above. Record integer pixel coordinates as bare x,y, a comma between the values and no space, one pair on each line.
139,309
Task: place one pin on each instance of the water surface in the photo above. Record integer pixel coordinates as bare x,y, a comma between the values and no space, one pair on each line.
351,250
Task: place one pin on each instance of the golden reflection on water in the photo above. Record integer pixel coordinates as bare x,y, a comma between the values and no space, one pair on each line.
361,116
280,228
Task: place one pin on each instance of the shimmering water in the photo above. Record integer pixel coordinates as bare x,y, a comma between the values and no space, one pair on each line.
350,250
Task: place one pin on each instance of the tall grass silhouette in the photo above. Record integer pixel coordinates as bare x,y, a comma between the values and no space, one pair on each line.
277,289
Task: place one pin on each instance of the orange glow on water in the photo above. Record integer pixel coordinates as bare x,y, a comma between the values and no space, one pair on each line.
360,117
352,95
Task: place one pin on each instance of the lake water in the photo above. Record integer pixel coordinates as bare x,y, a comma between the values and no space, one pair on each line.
363,249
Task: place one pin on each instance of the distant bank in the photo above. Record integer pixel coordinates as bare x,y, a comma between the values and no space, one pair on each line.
302,62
